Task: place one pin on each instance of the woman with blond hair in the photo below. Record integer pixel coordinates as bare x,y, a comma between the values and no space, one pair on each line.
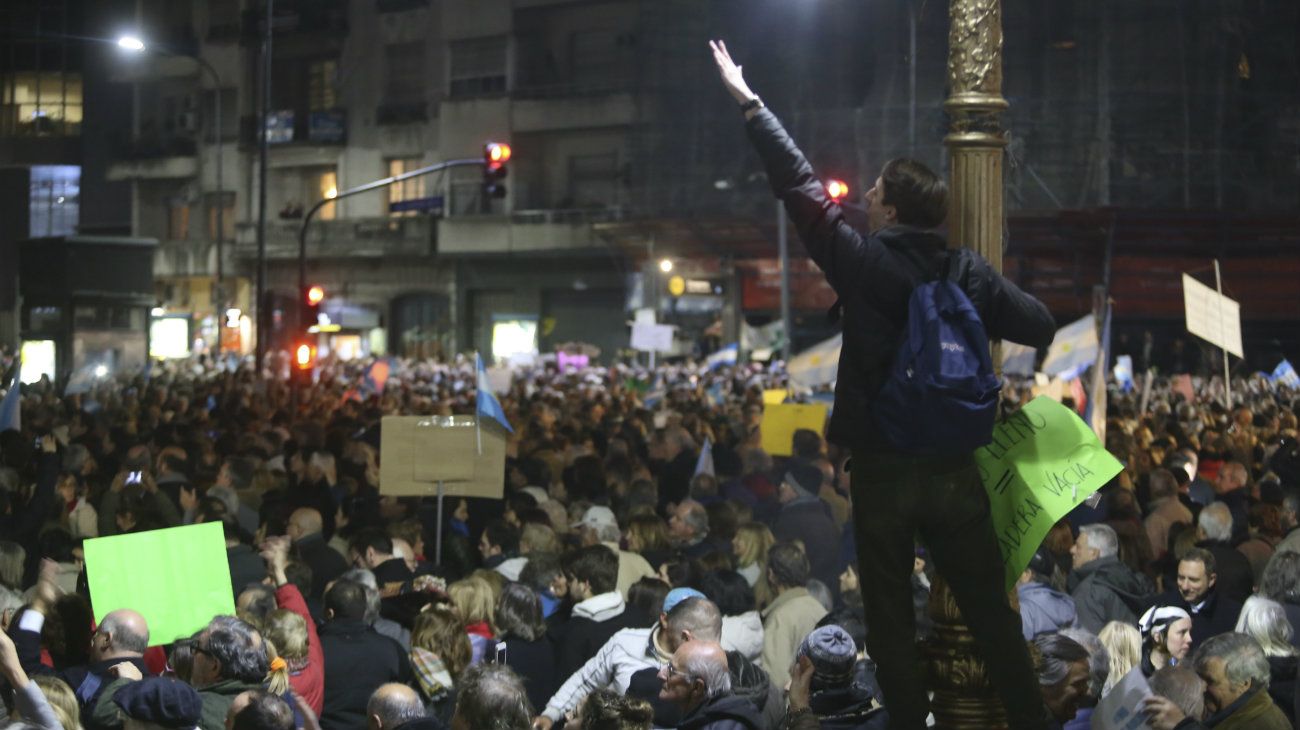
648,536
1124,646
440,653
475,603
752,541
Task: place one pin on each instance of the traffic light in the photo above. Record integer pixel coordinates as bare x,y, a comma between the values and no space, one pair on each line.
304,363
312,297
495,157
837,189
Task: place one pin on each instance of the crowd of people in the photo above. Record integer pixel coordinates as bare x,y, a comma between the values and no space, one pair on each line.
619,582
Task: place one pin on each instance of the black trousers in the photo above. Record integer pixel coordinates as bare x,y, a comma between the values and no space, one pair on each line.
895,497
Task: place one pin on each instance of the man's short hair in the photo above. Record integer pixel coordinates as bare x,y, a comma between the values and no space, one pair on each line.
1102,538
239,648
710,668
346,599
1098,658
1215,521
699,616
395,706
1202,556
597,565
695,517
918,195
264,711
492,696
542,569
1243,659
1053,654
501,534
806,443
1162,484
372,538
1182,687
789,565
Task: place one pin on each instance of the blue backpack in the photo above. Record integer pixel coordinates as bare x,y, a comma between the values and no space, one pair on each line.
941,396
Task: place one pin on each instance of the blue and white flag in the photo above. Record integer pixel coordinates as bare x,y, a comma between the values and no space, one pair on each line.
1124,372
488,405
704,464
1018,359
1285,374
818,365
11,411
725,356
1073,350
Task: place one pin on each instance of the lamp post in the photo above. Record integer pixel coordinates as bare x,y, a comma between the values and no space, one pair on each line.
135,45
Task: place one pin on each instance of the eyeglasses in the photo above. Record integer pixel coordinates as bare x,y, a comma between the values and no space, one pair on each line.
197,649
670,671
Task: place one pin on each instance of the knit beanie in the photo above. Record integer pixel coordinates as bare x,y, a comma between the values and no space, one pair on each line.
833,654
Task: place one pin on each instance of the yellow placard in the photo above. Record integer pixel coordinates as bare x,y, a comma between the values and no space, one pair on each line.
780,421
774,396
677,286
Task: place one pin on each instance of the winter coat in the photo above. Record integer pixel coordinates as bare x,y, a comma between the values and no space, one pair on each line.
631,568
1044,609
626,653
217,699
1282,684
1106,590
1252,711
357,661
809,521
744,634
1236,579
325,562
592,623
724,712
748,682
847,708
534,662
309,683
1217,615
789,618
874,280
246,567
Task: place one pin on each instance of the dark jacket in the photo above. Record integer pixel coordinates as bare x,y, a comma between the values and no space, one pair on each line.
874,280
748,682
1218,614
217,699
1106,590
809,520
1282,684
725,712
578,639
1236,579
357,661
534,662
246,566
847,708
325,562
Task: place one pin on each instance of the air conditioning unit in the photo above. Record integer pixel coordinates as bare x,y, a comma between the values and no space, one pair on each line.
187,121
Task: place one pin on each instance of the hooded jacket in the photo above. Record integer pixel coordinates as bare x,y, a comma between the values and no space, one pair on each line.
592,623
626,653
1106,590
749,683
874,280
724,712
1044,609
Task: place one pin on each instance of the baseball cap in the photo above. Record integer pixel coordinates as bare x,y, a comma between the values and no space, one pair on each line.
597,517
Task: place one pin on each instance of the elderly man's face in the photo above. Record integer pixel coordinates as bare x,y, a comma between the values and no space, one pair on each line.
677,526
680,688
1082,553
1219,691
206,669
1063,698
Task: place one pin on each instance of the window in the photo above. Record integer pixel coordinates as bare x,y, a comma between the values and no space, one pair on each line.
55,207
412,189
225,203
594,180
325,184
178,220
40,104
478,66
321,95
406,72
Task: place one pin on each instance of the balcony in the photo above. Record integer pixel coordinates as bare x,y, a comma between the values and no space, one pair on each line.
348,238
525,231
155,157
554,113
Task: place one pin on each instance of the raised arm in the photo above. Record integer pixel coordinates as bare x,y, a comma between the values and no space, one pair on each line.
838,250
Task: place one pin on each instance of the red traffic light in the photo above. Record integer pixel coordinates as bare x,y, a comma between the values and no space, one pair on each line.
837,189
315,295
498,152
304,356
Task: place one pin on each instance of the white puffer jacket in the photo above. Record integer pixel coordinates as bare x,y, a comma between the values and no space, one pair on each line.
744,634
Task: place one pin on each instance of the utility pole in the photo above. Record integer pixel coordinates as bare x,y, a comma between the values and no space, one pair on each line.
263,147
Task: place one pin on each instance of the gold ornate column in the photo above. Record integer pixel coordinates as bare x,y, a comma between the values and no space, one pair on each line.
963,694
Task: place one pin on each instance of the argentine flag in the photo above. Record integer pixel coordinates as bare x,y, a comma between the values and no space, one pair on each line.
1285,374
1073,350
724,356
818,365
488,405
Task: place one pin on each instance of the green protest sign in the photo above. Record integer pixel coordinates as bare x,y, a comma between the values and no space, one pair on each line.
1042,463
177,578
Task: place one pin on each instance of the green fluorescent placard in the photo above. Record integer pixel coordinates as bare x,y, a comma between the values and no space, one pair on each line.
177,578
1043,462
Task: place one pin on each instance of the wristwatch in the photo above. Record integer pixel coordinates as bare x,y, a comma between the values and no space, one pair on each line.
755,103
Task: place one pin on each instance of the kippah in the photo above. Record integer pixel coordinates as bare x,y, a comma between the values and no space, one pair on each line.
677,595
161,701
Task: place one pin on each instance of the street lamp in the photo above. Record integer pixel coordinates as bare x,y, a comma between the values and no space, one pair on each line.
135,45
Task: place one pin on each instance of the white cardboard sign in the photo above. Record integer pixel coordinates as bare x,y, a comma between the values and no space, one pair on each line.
652,337
1212,316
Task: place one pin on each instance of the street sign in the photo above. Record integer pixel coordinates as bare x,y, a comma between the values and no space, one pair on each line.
432,204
